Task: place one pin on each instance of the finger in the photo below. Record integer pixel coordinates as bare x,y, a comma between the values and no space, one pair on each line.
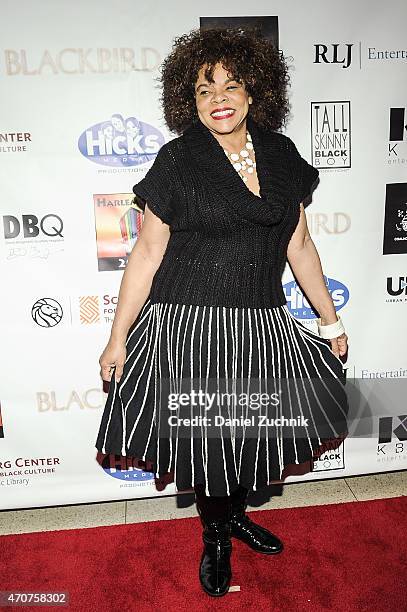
119,372
107,371
334,346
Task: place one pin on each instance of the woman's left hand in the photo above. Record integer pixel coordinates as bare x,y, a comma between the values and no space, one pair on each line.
339,346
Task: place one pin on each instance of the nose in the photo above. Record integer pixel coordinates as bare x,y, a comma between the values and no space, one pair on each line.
219,97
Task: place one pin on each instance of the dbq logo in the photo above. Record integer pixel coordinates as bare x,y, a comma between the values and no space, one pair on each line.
121,142
31,227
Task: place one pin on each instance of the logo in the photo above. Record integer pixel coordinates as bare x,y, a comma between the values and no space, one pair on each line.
397,134
330,135
89,309
30,236
14,142
82,61
121,142
47,312
395,219
17,472
392,439
331,459
397,289
124,468
87,400
300,308
118,223
334,54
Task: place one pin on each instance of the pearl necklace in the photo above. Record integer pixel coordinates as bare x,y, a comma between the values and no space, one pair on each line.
242,161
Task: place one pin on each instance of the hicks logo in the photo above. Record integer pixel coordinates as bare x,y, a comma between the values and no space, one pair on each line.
125,468
330,134
121,142
47,312
89,309
297,302
334,54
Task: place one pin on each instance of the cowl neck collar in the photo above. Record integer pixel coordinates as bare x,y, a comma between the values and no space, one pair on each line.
215,168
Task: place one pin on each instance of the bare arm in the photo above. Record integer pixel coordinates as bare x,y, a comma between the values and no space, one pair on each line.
305,263
143,263
135,286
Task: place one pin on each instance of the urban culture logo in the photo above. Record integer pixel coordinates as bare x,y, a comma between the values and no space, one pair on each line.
330,135
121,142
397,289
47,312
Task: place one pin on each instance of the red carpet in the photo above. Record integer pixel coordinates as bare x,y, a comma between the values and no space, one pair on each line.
350,557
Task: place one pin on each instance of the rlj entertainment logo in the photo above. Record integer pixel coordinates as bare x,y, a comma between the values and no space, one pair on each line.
334,54
121,142
330,135
300,308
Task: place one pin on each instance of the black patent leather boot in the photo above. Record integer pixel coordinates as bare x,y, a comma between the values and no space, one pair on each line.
214,569
243,528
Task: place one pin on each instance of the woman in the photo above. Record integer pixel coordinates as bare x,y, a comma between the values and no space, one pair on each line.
201,299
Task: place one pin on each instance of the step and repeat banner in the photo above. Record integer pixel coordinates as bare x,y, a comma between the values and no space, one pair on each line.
80,117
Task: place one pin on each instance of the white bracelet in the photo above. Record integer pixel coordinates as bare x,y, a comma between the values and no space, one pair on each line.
333,330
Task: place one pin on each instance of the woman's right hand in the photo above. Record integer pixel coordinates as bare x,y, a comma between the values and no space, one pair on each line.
113,355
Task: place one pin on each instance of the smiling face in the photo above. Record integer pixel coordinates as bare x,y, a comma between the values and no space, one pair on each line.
222,105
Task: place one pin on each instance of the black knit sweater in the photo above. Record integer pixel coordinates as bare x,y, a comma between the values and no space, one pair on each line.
227,246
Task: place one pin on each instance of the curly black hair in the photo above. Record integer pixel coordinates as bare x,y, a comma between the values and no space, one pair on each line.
245,54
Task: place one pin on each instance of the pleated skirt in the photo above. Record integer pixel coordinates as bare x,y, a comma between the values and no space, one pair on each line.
169,347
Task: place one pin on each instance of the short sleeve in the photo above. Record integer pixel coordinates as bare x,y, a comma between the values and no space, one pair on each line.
157,187
304,175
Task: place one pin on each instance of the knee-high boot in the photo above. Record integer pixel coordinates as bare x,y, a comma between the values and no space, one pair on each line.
257,537
214,570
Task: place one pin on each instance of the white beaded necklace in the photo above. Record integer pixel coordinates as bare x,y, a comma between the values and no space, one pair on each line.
241,161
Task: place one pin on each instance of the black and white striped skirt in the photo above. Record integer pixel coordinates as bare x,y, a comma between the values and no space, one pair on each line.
292,383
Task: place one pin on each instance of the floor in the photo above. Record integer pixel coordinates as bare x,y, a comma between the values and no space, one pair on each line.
337,490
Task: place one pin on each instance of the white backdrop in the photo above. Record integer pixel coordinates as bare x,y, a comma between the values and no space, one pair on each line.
64,70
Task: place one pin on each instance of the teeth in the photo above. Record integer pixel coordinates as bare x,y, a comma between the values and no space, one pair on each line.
222,113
